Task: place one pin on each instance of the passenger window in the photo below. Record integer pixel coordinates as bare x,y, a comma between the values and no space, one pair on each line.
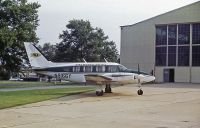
88,69
100,68
81,69
76,69
107,69
94,69
111,68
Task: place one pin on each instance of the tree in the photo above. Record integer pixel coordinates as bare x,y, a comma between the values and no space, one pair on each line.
80,40
48,50
18,22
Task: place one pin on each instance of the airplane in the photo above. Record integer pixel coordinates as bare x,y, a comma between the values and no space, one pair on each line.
100,73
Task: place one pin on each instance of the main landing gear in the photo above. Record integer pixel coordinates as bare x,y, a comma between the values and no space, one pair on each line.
108,89
99,90
99,93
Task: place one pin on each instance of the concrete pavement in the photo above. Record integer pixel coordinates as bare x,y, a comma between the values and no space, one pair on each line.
159,107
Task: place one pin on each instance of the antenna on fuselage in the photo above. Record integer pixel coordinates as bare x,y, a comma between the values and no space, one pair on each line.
105,60
84,60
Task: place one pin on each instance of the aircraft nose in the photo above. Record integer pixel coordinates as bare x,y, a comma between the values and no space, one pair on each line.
152,78
148,79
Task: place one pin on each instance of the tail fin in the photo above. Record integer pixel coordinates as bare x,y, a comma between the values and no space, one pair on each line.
36,58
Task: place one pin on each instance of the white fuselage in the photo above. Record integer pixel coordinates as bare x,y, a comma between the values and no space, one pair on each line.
99,72
78,72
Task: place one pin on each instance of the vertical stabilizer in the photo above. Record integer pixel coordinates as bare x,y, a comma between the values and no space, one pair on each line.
35,57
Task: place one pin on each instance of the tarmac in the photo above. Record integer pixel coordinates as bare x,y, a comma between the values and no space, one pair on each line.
161,106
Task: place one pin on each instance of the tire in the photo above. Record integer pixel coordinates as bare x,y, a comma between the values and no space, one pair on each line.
108,89
99,93
140,92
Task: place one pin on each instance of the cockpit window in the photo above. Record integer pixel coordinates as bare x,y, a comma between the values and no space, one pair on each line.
122,68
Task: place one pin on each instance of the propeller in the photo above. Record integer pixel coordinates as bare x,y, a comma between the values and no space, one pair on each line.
138,74
138,68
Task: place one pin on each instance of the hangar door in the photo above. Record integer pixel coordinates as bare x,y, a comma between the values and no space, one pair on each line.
168,75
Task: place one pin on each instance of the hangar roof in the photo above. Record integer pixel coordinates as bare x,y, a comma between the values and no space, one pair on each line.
198,2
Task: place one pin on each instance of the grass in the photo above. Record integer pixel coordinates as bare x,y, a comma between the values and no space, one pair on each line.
16,98
23,84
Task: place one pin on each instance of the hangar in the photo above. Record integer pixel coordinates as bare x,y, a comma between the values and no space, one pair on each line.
167,45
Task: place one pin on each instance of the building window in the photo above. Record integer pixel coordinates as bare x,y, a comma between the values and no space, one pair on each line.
172,56
161,56
196,33
183,55
184,34
161,35
172,34
195,55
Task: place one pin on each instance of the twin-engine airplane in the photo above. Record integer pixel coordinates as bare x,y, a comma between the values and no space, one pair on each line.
100,73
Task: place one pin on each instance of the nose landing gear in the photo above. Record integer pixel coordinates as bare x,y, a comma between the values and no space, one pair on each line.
140,92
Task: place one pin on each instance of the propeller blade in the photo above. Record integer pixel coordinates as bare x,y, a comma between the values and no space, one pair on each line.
138,69
138,73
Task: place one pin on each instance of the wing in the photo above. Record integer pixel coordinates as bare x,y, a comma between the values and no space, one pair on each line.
98,79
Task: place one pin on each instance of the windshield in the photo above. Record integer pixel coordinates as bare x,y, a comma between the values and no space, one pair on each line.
122,68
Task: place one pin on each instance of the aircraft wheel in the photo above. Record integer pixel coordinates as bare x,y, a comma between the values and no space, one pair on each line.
99,93
108,89
140,92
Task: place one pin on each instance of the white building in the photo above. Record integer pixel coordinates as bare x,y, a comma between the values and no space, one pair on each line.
168,44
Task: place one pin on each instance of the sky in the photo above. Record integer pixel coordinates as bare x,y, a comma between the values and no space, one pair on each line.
106,14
